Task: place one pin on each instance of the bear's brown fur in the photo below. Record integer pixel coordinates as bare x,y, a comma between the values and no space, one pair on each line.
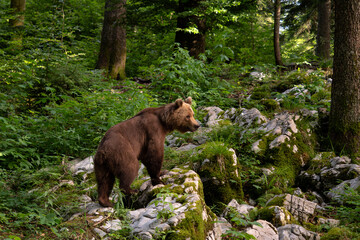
141,138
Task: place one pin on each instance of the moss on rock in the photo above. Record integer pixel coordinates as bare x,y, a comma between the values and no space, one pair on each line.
193,226
219,173
337,233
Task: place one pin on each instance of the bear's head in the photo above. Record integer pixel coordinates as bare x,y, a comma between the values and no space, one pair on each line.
181,116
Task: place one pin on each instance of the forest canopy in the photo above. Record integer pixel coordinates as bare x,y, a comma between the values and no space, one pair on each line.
274,84
51,63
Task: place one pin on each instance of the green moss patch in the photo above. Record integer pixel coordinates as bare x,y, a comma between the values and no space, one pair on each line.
220,176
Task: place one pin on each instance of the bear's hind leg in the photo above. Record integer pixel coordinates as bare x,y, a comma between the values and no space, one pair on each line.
105,186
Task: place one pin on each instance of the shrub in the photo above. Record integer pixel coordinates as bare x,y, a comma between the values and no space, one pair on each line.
180,75
72,128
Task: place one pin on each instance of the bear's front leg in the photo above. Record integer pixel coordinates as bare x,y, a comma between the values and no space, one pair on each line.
154,169
152,158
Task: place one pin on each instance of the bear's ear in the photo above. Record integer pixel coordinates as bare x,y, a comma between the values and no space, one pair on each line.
178,103
188,100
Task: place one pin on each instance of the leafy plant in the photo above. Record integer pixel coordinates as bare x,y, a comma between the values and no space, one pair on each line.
167,210
239,222
180,75
349,210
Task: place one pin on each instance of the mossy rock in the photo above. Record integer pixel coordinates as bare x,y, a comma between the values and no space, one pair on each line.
193,225
337,233
261,92
184,189
219,172
289,157
320,161
278,216
270,104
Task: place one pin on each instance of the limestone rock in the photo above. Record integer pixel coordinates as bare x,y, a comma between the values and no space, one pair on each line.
340,160
187,147
221,225
266,232
243,209
230,114
330,176
257,75
212,117
300,208
298,91
337,191
329,221
112,225
296,232
179,199
280,136
86,165
220,175
325,173
250,118
278,216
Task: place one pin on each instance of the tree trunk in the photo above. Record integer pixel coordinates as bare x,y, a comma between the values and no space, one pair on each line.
277,14
194,42
344,129
323,31
112,55
17,22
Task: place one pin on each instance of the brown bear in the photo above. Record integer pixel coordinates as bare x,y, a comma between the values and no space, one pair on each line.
141,138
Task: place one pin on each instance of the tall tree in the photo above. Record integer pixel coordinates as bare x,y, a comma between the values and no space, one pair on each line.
112,55
17,22
191,27
323,29
277,15
304,16
344,129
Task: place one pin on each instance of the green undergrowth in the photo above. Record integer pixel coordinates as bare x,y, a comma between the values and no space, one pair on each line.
72,128
33,203
221,167
316,92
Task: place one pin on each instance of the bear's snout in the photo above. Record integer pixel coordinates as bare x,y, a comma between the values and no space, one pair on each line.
194,127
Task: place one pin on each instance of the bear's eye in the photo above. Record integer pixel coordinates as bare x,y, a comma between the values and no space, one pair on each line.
188,117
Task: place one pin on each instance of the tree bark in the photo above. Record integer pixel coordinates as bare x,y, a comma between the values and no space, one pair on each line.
277,14
18,8
112,55
344,129
194,42
17,22
323,31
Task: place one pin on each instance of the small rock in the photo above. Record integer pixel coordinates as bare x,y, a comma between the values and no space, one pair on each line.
296,232
86,165
243,209
340,160
300,208
257,75
266,232
329,221
220,227
337,191
100,232
187,147
212,118
113,225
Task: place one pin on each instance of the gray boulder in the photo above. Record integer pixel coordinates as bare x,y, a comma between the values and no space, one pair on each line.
300,208
336,192
266,232
296,232
180,200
